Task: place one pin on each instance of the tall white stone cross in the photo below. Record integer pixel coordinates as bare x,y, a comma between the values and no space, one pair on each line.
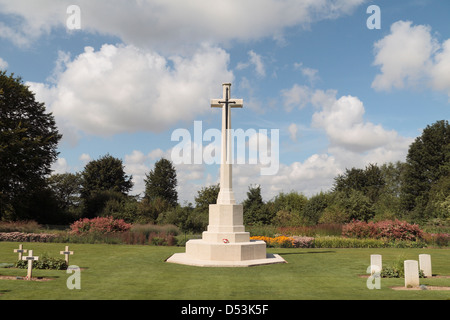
66,254
30,260
226,194
20,251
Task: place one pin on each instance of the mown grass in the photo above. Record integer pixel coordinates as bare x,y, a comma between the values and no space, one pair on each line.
125,272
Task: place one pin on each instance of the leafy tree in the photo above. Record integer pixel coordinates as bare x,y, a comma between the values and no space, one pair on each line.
120,206
206,196
105,174
369,181
28,142
387,206
427,161
196,219
345,207
66,188
439,199
393,176
184,218
315,207
288,208
255,210
103,179
148,211
162,182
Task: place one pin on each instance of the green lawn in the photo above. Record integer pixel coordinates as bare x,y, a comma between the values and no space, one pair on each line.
139,272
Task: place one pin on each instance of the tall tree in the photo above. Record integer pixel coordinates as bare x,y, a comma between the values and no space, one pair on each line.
161,182
255,210
28,142
369,181
103,179
427,161
66,188
105,174
206,196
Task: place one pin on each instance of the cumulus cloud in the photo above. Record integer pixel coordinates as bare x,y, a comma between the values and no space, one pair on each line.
3,64
126,89
410,57
344,124
311,176
169,25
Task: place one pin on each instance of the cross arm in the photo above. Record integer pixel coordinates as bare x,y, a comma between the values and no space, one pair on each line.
215,103
234,103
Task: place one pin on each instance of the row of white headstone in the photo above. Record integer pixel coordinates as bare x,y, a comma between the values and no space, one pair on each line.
411,268
30,258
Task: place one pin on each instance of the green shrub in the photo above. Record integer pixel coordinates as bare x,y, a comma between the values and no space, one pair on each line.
396,270
44,262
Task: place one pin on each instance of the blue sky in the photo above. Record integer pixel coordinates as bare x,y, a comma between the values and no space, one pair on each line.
341,95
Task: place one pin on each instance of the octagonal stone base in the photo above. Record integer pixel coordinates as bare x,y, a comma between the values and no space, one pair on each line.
225,243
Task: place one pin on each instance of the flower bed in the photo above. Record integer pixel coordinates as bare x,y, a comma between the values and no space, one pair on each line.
286,242
388,229
27,237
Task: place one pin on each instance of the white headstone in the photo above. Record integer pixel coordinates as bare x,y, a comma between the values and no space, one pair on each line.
375,263
425,264
411,273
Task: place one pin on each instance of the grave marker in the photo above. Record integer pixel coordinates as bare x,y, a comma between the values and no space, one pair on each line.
66,253
425,264
411,273
375,263
30,258
20,251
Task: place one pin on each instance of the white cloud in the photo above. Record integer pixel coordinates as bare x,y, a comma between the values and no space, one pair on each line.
60,166
85,158
3,64
410,57
309,73
440,71
345,127
256,60
309,177
125,89
297,96
342,119
170,25
138,164
293,129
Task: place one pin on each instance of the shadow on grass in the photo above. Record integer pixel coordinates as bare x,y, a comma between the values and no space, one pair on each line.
309,252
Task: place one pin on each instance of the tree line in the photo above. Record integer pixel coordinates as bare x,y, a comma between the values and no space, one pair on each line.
417,189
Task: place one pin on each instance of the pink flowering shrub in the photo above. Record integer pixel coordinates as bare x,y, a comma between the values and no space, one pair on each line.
388,229
99,225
